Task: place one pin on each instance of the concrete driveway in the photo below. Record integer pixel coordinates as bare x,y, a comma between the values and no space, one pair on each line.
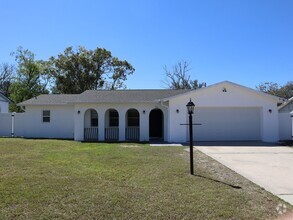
270,167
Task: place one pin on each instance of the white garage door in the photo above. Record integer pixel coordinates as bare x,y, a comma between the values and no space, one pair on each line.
227,124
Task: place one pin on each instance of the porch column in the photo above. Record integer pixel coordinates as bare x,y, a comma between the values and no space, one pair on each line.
144,125
121,124
101,115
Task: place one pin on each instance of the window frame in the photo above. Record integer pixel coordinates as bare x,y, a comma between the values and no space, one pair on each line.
46,118
133,118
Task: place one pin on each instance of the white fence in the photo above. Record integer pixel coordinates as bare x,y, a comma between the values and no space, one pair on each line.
5,124
6,128
285,126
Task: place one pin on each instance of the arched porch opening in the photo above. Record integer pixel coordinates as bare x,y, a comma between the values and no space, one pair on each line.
112,125
91,122
132,125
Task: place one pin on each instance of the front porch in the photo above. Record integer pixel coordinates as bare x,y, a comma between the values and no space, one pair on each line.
111,126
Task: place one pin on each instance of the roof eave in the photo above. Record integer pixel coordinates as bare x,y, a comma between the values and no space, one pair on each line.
6,98
40,104
86,102
285,103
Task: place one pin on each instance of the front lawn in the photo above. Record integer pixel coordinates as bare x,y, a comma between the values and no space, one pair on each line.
53,179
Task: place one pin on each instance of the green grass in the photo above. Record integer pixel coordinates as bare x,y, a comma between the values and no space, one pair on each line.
53,179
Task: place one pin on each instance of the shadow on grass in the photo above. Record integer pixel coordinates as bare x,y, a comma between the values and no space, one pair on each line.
218,181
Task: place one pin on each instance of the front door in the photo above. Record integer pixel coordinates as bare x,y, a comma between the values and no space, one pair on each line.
156,124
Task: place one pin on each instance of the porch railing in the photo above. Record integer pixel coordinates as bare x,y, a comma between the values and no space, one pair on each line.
91,134
111,133
132,133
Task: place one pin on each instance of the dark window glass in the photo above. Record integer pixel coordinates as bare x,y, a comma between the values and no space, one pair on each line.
46,116
114,119
132,118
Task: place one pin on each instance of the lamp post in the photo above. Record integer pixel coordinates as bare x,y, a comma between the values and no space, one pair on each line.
12,124
190,108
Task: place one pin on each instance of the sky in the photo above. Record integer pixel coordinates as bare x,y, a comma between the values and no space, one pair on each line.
245,41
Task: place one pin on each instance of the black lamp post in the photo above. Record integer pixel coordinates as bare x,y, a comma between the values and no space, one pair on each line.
190,108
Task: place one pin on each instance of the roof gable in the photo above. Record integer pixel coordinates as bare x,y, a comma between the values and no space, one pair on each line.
226,83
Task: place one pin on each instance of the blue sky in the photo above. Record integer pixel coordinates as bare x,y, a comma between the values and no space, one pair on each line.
243,41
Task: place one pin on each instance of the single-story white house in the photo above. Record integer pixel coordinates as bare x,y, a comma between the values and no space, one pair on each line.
4,103
227,112
286,120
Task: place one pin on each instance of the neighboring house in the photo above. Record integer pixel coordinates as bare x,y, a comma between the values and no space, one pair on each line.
227,112
4,103
286,120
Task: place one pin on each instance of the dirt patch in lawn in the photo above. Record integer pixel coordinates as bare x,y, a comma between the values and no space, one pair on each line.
129,145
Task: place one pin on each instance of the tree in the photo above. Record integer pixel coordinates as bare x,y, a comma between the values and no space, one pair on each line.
178,77
31,79
285,91
6,77
77,71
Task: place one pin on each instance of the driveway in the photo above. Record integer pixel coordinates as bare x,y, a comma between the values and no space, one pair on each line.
270,167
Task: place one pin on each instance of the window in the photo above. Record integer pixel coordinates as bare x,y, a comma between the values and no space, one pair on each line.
133,118
94,119
46,116
114,118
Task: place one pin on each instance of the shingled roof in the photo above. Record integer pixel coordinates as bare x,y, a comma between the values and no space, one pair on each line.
51,99
104,96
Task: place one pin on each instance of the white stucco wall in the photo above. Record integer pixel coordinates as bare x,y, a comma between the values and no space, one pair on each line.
122,109
61,123
215,97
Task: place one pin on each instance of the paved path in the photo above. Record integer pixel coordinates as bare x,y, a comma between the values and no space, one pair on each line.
270,167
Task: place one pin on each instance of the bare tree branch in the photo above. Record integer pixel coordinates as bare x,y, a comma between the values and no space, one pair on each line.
6,76
178,77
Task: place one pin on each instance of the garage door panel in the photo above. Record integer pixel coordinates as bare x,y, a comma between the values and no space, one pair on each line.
221,124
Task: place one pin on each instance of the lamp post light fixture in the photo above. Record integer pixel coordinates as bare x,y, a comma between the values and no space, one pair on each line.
190,108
